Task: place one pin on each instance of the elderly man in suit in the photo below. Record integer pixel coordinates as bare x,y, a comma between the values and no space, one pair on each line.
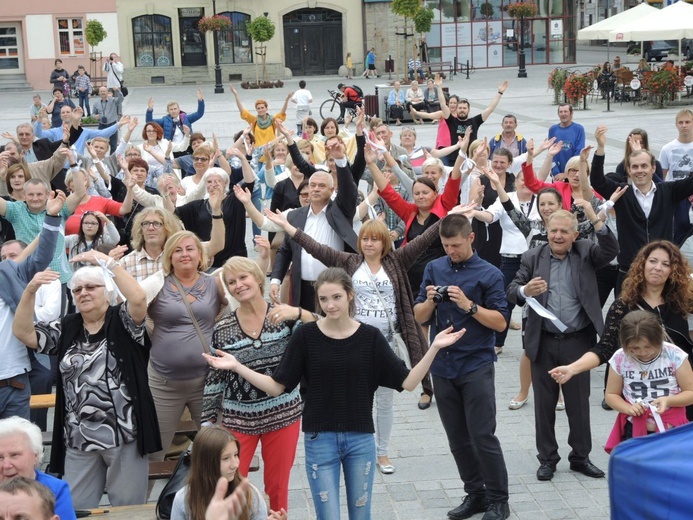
328,221
560,276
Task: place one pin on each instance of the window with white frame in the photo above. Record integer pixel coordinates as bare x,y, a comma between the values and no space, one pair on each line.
71,36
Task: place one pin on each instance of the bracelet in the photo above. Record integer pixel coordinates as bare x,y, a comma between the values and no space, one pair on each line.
595,222
216,217
500,92
66,143
74,165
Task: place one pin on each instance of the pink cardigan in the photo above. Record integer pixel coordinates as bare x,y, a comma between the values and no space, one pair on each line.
674,416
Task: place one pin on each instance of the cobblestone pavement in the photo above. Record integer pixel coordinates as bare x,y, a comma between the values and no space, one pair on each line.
426,484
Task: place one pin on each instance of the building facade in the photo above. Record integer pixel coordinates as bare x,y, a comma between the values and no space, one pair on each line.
34,33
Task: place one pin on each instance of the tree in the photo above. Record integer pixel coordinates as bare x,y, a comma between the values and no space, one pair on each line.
407,9
486,9
94,33
423,19
261,30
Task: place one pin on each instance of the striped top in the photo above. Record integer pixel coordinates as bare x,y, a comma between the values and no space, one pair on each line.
245,408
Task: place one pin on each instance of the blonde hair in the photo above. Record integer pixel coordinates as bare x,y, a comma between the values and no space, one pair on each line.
174,241
240,264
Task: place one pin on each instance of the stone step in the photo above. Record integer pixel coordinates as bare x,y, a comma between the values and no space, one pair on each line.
14,83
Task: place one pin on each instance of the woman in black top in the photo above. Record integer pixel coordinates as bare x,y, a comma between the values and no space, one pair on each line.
343,362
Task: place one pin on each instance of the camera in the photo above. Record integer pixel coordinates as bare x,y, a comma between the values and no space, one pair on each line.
441,294
111,58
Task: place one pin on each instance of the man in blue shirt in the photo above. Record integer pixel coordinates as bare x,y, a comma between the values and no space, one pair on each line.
464,291
571,134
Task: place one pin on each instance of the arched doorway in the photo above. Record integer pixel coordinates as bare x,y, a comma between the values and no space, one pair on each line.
313,41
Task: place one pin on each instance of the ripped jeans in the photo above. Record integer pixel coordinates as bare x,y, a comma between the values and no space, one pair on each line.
325,453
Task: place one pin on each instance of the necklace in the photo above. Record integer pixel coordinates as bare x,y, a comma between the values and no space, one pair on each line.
645,366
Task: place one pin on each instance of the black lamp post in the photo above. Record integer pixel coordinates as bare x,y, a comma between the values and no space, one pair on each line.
522,72
218,87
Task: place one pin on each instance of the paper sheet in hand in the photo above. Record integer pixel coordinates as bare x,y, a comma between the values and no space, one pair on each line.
545,313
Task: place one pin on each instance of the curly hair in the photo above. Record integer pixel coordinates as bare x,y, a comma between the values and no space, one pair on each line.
678,289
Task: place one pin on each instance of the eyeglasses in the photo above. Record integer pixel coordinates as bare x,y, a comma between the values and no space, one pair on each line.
132,155
90,287
90,224
152,223
201,159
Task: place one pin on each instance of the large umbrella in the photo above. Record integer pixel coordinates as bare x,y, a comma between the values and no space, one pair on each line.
602,30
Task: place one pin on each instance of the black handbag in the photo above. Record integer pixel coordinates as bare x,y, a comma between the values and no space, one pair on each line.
123,88
177,482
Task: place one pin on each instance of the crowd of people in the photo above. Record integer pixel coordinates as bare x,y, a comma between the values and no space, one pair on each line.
352,295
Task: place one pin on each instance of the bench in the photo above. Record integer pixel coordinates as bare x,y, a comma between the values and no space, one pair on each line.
42,401
163,470
432,67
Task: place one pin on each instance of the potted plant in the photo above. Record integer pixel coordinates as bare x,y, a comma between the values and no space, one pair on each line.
522,10
217,22
576,87
556,81
94,33
261,30
663,86
90,121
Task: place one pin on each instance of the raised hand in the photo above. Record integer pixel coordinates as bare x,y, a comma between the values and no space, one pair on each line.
277,217
618,193
262,246
55,203
216,196
42,278
91,150
335,149
545,145
555,148
600,135
133,123
585,153
635,143
370,153
233,89
438,81
242,194
503,86
169,149
118,252
150,104
492,176
200,96
124,121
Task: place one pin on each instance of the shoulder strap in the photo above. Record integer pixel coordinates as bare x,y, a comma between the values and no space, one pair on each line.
184,297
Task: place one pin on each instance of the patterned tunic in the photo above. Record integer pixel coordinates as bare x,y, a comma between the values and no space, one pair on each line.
245,408
98,407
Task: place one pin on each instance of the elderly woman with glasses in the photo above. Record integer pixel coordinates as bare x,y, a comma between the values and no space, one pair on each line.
105,421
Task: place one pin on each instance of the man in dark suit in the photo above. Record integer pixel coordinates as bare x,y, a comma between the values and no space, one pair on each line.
34,150
561,276
327,221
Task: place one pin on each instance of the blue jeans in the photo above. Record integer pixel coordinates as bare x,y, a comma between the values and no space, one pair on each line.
15,401
84,100
325,453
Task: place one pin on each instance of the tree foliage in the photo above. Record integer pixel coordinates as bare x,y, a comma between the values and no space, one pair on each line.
94,33
423,19
261,29
406,8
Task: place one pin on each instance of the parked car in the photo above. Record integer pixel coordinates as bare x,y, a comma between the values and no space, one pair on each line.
652,50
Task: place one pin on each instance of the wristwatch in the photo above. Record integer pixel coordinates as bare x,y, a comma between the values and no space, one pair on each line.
472,309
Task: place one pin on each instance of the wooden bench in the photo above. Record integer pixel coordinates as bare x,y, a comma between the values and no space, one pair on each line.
432,67
42,401
163,470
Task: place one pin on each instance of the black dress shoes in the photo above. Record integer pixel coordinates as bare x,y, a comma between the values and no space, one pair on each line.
497,511
546,471
587,468
471,505
425,401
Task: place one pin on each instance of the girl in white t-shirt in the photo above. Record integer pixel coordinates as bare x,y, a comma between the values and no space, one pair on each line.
647,371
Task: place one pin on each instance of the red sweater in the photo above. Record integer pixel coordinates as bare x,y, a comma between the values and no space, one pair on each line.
105,206
535,185
407,211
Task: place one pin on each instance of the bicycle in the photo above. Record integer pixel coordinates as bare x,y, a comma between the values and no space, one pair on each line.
332,107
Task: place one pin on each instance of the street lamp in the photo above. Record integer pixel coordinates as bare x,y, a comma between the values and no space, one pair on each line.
522,72
218,87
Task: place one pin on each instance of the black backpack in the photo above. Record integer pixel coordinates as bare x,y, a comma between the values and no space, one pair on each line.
358,90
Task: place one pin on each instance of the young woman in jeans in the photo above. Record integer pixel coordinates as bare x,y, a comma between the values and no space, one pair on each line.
339,357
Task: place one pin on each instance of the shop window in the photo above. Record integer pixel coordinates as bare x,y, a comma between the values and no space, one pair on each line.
235,45
152,41
71,36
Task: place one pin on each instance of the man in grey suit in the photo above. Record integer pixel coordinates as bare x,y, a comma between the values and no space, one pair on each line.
561,276
328,221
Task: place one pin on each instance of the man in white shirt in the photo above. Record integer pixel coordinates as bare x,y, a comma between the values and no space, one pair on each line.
327,221
303,98
676,159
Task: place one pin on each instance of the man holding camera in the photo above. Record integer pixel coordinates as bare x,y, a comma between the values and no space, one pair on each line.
109,110
464,291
